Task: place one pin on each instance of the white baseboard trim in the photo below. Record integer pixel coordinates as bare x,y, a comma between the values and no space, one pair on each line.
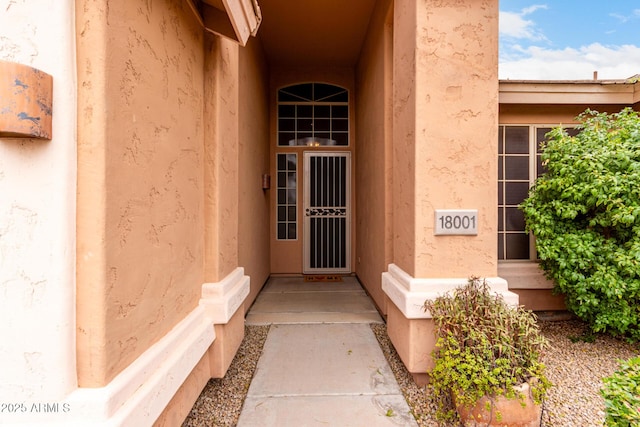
222,299
409,293
139,394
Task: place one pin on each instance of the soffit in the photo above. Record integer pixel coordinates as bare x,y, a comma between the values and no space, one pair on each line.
304,33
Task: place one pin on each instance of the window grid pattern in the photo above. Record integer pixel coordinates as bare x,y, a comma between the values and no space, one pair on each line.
519,164
287,203
514,180
313,114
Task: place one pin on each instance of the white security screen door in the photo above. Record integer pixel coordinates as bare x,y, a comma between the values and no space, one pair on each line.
327,213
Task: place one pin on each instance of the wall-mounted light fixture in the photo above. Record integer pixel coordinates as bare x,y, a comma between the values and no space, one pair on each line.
25,101
266,181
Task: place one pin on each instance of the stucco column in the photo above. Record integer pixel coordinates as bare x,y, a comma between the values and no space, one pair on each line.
445,126
226,286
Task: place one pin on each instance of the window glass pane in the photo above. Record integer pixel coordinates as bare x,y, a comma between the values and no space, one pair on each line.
322,91
321,111
339,97
282,180
516,168
291,196
291,162
500,246
286,138
514,219
281,162
322,125
340,125
286,206
500,219
517,246
325,92
287,97
501,193
282,230
500,141
305,111
286,125
297,92
516,192
292,231
540,168
340,138
305,125
572,131
291,180
340,111
517,139
500,168
540,136
312,110
288,111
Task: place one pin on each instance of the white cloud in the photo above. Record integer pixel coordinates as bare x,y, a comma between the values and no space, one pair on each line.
619,17
536,63
626,18
514,25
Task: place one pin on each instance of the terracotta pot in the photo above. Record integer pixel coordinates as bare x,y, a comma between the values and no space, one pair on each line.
502,412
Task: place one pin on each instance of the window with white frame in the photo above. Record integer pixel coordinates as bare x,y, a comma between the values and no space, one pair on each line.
313,114
287,202
519,164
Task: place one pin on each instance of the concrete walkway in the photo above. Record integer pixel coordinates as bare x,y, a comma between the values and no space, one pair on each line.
321,364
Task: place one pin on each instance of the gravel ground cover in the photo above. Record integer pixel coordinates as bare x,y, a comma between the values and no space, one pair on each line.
221,400
574,366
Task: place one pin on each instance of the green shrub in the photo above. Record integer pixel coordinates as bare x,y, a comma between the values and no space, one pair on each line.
484,348
585,215
621,394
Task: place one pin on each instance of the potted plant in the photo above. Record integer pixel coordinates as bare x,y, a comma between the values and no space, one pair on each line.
487,359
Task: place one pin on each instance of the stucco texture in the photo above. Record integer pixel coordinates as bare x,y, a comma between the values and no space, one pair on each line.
253,141
445,132
221,157
140,163
373,169
37,214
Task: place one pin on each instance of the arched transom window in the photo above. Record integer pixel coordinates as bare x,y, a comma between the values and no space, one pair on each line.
313,114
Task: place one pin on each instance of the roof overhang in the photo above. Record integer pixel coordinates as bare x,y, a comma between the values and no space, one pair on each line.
625,92
233,19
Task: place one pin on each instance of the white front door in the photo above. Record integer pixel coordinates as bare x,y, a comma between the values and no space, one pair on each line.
327,213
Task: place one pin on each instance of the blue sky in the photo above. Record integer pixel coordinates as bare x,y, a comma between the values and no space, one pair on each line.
569,39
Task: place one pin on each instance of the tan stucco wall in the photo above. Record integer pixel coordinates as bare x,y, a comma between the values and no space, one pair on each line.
221,167
445,132
253,201
373,145
140,162
404,133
